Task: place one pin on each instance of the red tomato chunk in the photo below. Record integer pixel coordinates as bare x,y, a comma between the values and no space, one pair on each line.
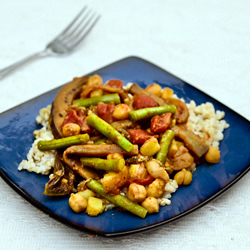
115,83
105,111
143,101
160,123
139,136
79,118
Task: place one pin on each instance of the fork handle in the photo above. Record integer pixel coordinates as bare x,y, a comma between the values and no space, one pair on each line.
5,71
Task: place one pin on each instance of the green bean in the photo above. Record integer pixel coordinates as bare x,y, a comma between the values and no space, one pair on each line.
118,200
165,143
140,114
100,141
102,164
104,128
63,142
86,102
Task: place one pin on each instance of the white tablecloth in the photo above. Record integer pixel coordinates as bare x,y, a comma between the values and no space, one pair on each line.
206,43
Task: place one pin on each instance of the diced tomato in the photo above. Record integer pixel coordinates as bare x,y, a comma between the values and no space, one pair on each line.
79,118
143,101
85,128
71,117
105,111
160,123
115,83
139,136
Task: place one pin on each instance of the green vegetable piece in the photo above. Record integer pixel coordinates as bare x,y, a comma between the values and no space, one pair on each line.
118,200
99,141
86,102
104,128
140,114
165,143
63,142
101,164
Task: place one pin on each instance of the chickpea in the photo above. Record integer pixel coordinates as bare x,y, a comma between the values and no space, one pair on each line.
87,193
213,155
151,204
150,147
183,177
71,129
136,192
155,170
137,171
115,156
97,92
77,203
156,188
166,93
94,80
154,89
121,111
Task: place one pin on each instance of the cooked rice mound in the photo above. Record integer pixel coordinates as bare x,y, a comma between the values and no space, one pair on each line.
38,161
206,122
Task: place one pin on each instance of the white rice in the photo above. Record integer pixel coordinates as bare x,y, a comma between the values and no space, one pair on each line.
206,122
38,161
170,187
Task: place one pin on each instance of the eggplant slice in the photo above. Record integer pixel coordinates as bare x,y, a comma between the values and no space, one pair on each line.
62,181
192,141
182,112
62,102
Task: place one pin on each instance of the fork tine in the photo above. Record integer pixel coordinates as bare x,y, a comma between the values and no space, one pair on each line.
88,26
72,31
72,22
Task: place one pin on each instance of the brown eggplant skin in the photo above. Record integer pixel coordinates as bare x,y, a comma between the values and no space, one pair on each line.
192,141
62,181
182,112
62,102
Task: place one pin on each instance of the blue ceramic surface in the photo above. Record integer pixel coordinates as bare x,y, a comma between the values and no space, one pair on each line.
16,136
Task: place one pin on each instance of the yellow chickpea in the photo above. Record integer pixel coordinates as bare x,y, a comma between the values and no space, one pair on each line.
77,203
97,92
71,129
183,177
137,171
166,93
156,188
136,192
151,204
94,80
150,147
156,170
115,156
121,111
154,89
212,155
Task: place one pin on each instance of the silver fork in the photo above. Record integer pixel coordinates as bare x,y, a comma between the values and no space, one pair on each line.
64,43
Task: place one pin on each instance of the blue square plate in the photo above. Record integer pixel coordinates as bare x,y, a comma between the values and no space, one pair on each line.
16,133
